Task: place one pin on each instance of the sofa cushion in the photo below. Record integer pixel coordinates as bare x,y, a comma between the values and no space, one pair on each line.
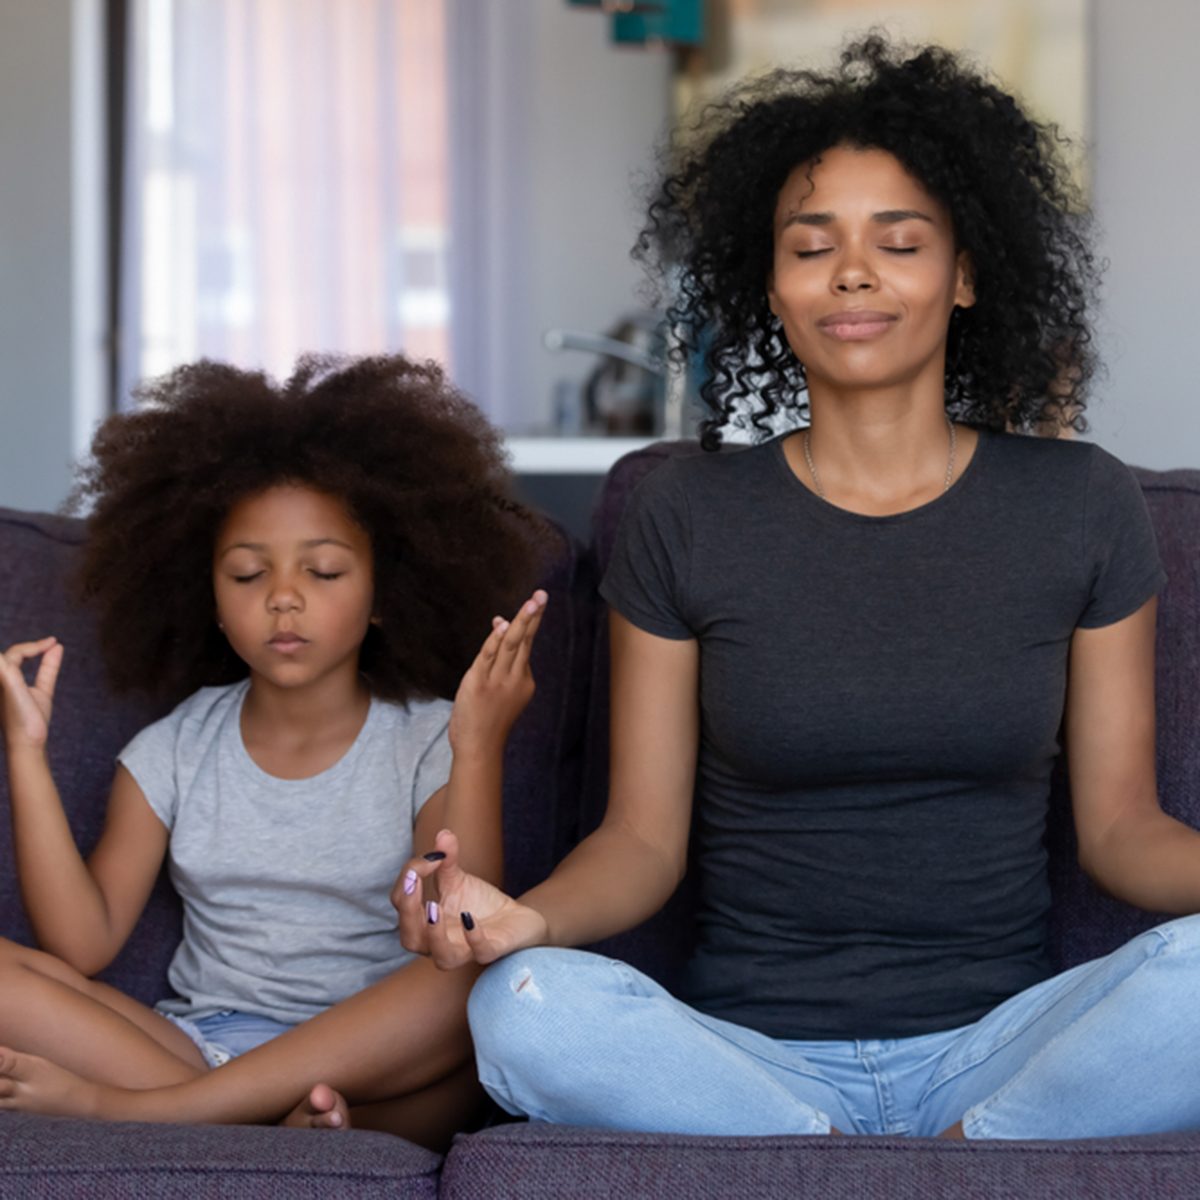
52,1158
545,1162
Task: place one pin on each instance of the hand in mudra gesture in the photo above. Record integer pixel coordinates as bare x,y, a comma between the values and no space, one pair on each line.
471,921
27,707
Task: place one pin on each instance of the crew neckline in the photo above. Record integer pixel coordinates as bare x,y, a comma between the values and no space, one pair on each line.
835,512
343,764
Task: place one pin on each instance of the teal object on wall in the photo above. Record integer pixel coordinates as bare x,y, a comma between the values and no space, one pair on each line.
680,22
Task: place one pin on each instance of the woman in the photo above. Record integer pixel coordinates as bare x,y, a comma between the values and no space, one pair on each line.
853,649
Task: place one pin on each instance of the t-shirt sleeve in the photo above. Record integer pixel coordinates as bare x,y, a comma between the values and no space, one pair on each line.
433,766
150,759
1120,553
647,574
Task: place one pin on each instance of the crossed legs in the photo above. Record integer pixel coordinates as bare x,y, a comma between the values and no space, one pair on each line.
80,1048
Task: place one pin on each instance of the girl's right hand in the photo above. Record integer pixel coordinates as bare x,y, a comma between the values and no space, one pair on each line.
27,709
470,921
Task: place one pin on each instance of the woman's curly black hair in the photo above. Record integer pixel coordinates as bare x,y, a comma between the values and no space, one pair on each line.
1021,358
415,463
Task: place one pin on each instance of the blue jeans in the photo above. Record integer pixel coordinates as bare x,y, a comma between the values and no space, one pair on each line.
228,1033
1110,1047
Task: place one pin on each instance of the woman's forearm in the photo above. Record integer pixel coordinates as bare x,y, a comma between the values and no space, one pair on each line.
1150,860
613,880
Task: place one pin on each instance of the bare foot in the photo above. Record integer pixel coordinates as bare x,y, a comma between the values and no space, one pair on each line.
32,1084
322,1108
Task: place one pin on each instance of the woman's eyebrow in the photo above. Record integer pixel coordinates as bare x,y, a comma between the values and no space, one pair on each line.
889,216
809,218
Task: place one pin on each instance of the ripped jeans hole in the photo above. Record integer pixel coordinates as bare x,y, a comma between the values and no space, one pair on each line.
526,987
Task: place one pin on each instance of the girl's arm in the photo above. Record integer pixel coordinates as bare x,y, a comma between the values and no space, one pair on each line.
81,912
493,693
626,870
1127,844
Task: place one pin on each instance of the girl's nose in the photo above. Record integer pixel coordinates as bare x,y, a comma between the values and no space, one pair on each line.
283,599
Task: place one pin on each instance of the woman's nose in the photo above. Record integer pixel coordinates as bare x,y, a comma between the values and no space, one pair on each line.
853,274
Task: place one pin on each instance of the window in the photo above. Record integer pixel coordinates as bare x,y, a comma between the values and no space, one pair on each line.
286,182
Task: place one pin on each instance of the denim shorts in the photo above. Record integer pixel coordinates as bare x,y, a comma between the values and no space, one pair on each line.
226,1034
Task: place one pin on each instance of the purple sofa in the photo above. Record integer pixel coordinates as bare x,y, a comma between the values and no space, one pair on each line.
555,784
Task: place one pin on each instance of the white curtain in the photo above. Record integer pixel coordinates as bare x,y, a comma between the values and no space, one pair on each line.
287,182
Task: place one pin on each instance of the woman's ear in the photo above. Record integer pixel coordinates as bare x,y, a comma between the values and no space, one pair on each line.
964,285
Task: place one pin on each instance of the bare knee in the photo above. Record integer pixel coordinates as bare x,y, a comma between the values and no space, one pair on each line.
14,956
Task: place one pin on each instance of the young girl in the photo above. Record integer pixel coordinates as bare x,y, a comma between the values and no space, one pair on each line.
311,566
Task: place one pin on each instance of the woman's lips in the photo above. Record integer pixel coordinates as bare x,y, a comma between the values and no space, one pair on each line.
856,325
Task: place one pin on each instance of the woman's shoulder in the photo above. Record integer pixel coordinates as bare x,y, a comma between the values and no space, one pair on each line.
1047,463
691,473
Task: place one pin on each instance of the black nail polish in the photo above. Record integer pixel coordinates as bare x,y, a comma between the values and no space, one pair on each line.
468,921
434,856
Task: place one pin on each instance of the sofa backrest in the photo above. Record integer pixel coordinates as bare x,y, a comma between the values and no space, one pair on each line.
1083,922
90,725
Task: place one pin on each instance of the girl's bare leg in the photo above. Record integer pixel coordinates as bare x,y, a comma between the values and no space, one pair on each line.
405,1034
48,1008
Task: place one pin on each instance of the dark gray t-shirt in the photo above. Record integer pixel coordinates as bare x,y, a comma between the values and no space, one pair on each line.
880,706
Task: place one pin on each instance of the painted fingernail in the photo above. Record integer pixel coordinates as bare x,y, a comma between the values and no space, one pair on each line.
434,856
410,882
468,921
502,626
531,607
431,912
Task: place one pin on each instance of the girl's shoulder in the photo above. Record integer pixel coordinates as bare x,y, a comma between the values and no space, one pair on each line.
199,717
422,721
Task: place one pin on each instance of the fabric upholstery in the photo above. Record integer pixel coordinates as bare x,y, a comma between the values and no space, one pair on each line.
540,1162
52,1158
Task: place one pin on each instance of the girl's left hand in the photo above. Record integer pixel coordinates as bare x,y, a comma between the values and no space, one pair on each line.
498,685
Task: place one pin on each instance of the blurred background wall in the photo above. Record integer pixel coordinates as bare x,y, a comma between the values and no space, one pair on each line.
574,118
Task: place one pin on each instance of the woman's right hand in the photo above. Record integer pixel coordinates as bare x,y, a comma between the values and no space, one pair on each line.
27,709
469,921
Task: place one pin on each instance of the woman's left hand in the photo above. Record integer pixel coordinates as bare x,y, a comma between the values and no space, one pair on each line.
498,685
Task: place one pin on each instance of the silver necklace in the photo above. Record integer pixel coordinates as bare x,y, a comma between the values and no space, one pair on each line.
812,470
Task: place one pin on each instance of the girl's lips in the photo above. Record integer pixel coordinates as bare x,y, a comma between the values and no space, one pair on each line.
855,326
286,642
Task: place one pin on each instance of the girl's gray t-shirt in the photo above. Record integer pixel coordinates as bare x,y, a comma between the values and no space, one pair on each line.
285,882
880,707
